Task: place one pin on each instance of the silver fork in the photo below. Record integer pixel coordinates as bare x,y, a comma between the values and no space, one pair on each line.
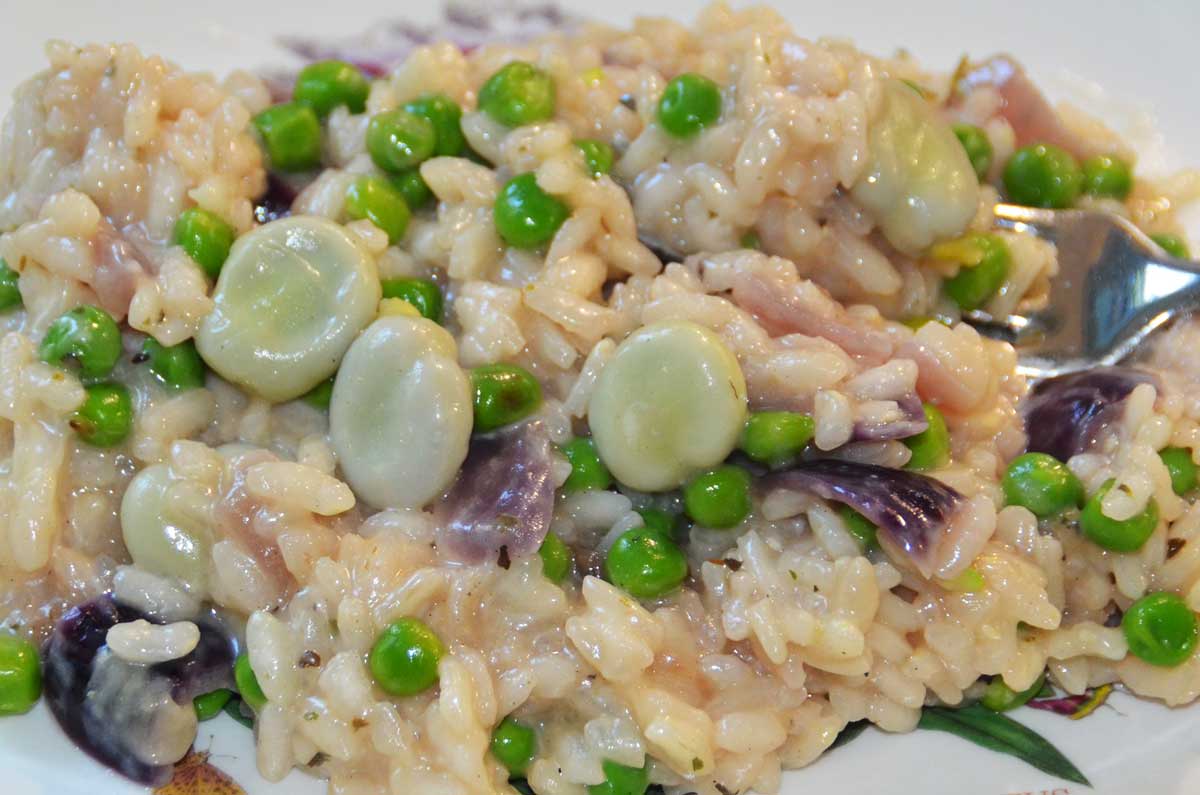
1114,288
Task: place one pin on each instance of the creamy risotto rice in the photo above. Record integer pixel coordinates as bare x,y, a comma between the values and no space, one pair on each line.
590,413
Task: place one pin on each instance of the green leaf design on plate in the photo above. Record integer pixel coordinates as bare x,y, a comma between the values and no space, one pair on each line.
233,708
851,730
1001,733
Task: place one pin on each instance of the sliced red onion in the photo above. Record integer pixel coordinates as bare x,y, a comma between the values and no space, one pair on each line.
276,203
124,714
804,308
1033,119
1065,415
119,267
912,511
909,424
504,495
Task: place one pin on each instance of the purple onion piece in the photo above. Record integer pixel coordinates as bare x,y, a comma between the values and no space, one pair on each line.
504,495
276,203
1064,705
912,511
1065,415
107,706
910,424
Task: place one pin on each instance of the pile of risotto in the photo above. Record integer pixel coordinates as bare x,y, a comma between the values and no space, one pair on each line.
588,414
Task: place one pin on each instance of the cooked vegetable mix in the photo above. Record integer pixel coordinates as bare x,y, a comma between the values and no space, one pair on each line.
326,85
10,293
526,216
106,416
564,412
291,136
20,675
87,336
400,416
1043,175
1160,629
421,293
1043,484
404,659
377,200
688,104
518,94
671,402
398,140
1119,535
504,394
514,745
177,366
205,237
291,298
719,498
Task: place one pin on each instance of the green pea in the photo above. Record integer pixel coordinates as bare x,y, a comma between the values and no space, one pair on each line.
375,199
776,437
413,188
398,140
1042,175
1178,461
863,529
645,563
291,135
931,447
1160,629
176,366
327,84
87,335
689,103
404,659
106,416
587,470
514,745
445,115
597,156
421,293
621,780
1107,177
518,94
1041,483
719,498
977,146
658,520
1172,244
20,675
556,558
999,697
247,683
504,394
10,294
984,262
319,396
525,215
205,237
209,705
1119,535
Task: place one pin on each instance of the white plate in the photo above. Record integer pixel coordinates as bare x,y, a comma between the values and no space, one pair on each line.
1144,59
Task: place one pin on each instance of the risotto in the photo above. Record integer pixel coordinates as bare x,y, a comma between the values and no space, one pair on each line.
584,413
